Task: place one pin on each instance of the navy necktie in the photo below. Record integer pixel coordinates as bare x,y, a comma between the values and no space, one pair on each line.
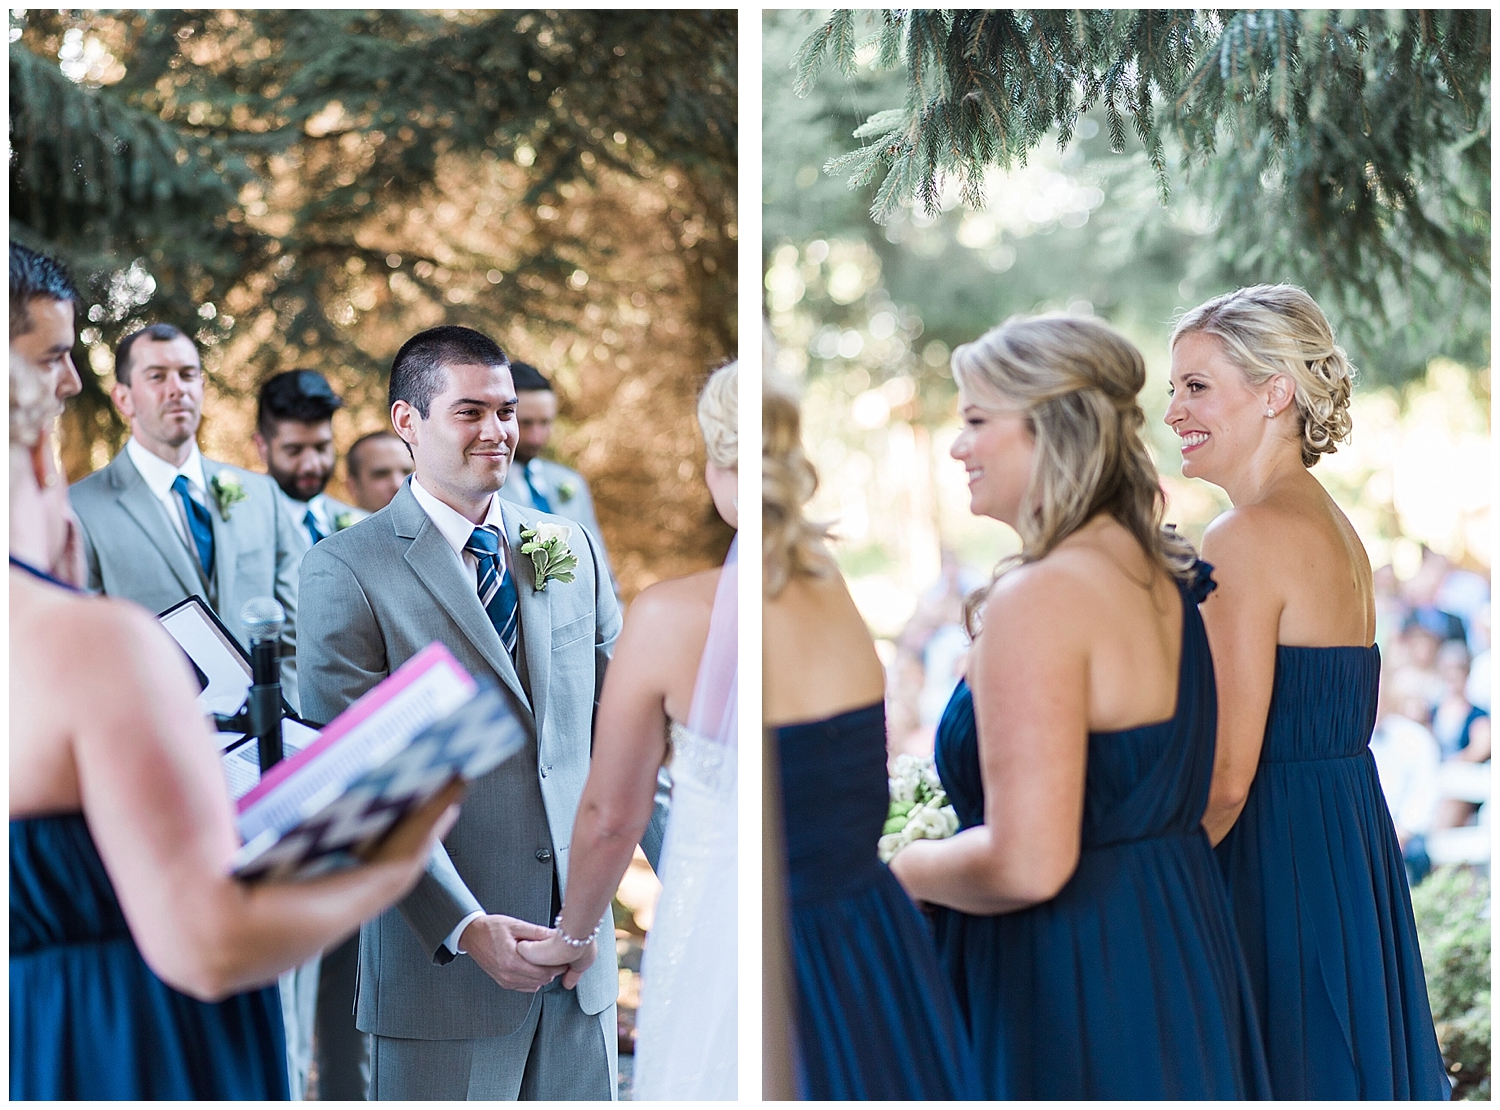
497,587
313,530
200,524
538,498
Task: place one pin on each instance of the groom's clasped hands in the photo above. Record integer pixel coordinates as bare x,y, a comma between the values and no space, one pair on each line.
522,955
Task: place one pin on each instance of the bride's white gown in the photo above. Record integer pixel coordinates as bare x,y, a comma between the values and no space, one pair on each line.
687,1039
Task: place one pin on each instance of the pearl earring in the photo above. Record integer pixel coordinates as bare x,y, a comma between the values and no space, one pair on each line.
1270,413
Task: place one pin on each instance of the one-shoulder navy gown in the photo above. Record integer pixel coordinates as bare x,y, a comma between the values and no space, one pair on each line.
89,1019
1129,984
1320,895
875,1018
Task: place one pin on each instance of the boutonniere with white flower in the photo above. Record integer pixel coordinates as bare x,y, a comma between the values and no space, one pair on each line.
343,520
227,492
547,544
566,491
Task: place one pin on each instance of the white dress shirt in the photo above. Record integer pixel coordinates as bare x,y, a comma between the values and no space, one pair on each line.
159,475
456,529
299,510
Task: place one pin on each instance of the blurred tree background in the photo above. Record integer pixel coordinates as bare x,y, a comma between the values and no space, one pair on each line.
309,188
1051,195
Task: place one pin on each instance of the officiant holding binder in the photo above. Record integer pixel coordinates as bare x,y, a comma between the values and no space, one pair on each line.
138,966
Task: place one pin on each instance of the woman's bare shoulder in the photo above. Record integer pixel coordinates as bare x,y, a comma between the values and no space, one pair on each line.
674,598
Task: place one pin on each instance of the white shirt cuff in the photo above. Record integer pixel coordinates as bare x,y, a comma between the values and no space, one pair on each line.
451,943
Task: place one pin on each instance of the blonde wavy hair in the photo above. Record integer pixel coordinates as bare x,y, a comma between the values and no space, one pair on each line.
1076,380
719,416
792,545
1279,329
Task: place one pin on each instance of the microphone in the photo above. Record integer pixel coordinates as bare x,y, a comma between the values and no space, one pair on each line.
263,618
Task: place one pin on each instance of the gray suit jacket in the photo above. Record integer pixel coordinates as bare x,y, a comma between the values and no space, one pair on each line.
564,489
133,550
373,596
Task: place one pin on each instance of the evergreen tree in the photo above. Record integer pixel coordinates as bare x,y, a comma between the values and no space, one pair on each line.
309,187
1346,151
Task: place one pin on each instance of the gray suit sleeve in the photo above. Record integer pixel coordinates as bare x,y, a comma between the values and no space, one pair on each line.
343,656
288,565
95,579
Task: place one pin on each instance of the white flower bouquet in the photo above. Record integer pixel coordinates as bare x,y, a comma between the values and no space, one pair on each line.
919,808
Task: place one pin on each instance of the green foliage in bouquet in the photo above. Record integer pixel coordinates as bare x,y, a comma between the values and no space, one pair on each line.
1452,908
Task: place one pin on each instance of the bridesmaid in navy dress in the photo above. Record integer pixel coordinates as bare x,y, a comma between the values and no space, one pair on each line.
874,1017
1304,836
1085,925
138,967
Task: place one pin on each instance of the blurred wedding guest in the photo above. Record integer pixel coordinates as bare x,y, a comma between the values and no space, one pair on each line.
671,695
1406,759
294,435
875,1018
43,304
1462,730
376,465
1260,392
537,481
1477,690
161,522
1086,926
138,966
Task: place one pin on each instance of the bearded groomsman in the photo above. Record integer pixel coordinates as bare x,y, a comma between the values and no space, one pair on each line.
294,435
160,522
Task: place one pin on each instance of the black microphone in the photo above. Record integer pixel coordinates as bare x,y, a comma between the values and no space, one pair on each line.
263,618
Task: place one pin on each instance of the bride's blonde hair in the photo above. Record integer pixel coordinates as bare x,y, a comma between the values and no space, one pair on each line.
1076,380
792,545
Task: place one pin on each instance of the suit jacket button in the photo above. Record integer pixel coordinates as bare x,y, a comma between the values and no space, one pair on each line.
545,769
544,854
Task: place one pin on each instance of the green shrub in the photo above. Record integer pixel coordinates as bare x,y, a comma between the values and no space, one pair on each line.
1452,907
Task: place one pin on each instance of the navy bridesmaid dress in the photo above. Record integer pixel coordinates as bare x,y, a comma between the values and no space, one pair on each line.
875,1018
1320,896
1129,984
89,1019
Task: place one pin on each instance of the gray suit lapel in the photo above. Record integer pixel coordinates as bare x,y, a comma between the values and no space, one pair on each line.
226,540
535,614
446,578
137,499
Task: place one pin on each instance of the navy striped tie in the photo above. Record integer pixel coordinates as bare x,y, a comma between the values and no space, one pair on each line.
497,588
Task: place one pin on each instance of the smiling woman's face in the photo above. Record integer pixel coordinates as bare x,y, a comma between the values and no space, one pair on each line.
1214,409
997,449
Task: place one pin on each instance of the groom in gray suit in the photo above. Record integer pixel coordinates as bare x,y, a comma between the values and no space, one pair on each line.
456,1012
161,522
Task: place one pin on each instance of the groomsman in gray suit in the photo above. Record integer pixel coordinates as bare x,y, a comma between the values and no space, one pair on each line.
454,1009
161,522
294,435
541,483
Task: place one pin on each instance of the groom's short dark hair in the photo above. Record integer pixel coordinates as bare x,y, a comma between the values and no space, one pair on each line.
417,373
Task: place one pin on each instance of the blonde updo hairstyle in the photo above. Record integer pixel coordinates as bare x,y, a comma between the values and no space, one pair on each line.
1279,329
1076,380
792,545
719,416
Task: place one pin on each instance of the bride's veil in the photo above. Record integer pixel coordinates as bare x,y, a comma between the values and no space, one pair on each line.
714,713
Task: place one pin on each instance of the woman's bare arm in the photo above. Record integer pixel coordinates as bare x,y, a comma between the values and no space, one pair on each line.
153,793
656,656
1029,673
1242,617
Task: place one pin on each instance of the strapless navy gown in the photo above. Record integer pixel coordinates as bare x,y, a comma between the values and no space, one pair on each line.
1320,895
875,1019
89,1019
1129,984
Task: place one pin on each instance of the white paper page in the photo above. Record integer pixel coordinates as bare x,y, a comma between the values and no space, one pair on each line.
242,766
228,673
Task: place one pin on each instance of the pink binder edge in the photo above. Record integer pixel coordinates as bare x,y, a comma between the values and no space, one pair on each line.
433,655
